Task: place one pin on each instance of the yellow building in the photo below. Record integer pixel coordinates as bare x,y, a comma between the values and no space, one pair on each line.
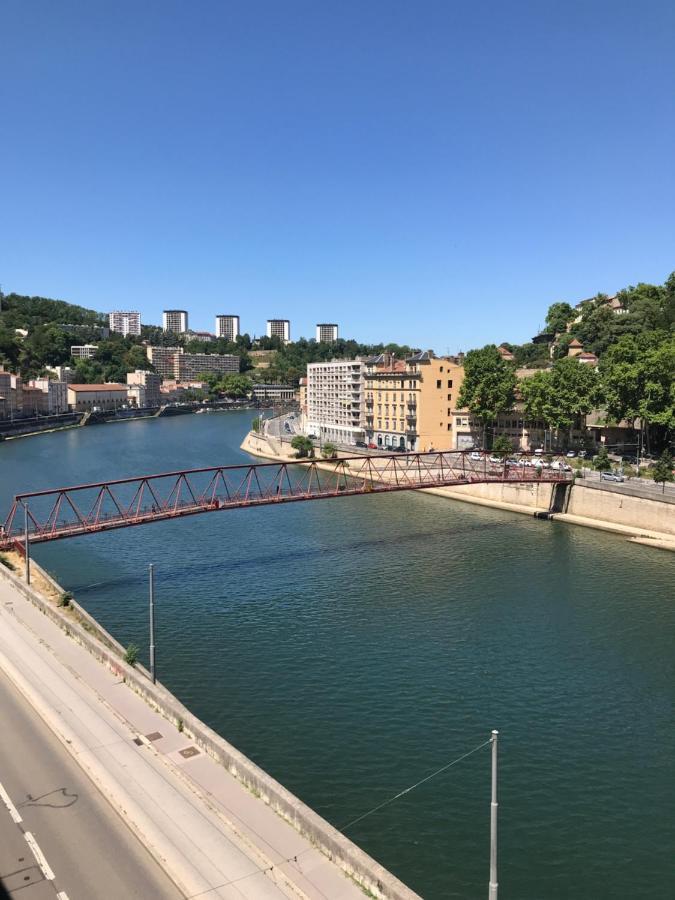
411,404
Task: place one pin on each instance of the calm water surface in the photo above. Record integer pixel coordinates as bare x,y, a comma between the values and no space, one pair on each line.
351,647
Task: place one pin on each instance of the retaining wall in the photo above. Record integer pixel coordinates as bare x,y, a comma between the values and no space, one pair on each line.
622,509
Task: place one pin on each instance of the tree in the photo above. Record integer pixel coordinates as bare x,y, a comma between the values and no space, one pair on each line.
602,462
489,386
663,470
235,386
557,317
563,394
303,446
502,444
329,451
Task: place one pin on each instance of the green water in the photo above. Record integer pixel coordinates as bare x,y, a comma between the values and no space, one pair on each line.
353,646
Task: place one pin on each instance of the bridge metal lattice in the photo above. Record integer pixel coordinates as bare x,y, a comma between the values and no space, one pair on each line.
102,506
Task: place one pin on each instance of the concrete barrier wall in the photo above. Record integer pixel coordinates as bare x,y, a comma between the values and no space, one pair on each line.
368,873
532,496
622,509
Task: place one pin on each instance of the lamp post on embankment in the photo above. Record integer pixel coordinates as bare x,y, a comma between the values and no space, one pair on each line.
152,623
26,546
492,894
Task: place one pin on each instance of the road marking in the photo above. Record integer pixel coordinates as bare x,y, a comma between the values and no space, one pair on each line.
10,806
39,856
62,895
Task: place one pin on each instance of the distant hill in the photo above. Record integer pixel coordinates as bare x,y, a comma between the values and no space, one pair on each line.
18,311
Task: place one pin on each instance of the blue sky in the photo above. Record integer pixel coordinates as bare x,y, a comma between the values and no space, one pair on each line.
435,173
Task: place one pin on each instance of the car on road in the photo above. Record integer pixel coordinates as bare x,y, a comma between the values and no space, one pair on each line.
496,460
476,457
571,454
360,444
560,465
611,476
372,446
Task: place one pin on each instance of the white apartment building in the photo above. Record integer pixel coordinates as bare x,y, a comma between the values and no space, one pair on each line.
280,328
227,327
326,333
335,400
83,351
125,322
175,320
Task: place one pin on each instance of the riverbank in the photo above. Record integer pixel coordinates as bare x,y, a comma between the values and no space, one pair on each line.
645,521
214,795
12,431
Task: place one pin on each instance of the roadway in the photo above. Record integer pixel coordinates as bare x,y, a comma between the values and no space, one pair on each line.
80,839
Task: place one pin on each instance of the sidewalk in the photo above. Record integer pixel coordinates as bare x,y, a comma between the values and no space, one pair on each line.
211,835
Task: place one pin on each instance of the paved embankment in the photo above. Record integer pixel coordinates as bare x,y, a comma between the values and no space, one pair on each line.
644,520
218,825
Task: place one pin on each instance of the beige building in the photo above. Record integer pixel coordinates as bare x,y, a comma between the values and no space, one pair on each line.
88,397
175,363
411,404
143,388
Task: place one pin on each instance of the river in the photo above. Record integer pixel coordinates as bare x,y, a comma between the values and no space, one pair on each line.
351,647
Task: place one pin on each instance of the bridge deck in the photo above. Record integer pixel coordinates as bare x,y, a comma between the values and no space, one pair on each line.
84,509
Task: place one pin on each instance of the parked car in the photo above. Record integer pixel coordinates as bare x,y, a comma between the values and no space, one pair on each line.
611,476
539,452
372,446
571,454
495,460
582,454
476,457
361,444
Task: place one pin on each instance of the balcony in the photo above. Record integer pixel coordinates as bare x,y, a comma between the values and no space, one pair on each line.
411,419
412,405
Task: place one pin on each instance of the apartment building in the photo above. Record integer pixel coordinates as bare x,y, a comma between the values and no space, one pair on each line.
175,363
227,327
190,365
326,333
11,394
280,328
175,320
143,387
83,351
335,400
411,404
53,397
125,322
275,393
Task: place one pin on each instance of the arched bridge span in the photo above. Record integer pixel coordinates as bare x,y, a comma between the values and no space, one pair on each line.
102,506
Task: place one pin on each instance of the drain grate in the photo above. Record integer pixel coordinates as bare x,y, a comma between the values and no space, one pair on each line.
138,742
154,736
188,752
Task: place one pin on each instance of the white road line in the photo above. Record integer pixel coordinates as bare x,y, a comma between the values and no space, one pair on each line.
10,806
39,856
62,895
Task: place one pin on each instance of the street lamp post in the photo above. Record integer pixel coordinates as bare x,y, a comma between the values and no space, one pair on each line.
26,545
152,623
492,895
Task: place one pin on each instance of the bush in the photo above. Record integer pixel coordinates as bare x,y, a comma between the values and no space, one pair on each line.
329,451
602,462
65,598
502,444
131,655
8,564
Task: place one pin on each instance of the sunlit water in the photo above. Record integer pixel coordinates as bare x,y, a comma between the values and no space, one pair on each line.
352,646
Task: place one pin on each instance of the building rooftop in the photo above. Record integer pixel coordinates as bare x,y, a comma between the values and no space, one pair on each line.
98,387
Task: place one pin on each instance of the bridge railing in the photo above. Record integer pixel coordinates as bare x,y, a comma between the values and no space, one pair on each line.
81,509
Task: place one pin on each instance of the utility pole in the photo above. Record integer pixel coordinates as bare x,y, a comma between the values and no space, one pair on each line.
152,623
26,545
492,895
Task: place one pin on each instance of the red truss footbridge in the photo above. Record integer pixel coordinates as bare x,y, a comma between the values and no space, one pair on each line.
64,512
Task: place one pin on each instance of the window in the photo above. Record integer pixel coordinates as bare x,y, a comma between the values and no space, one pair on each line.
449,398
449,382
438,382
449,426
449,413
441,369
